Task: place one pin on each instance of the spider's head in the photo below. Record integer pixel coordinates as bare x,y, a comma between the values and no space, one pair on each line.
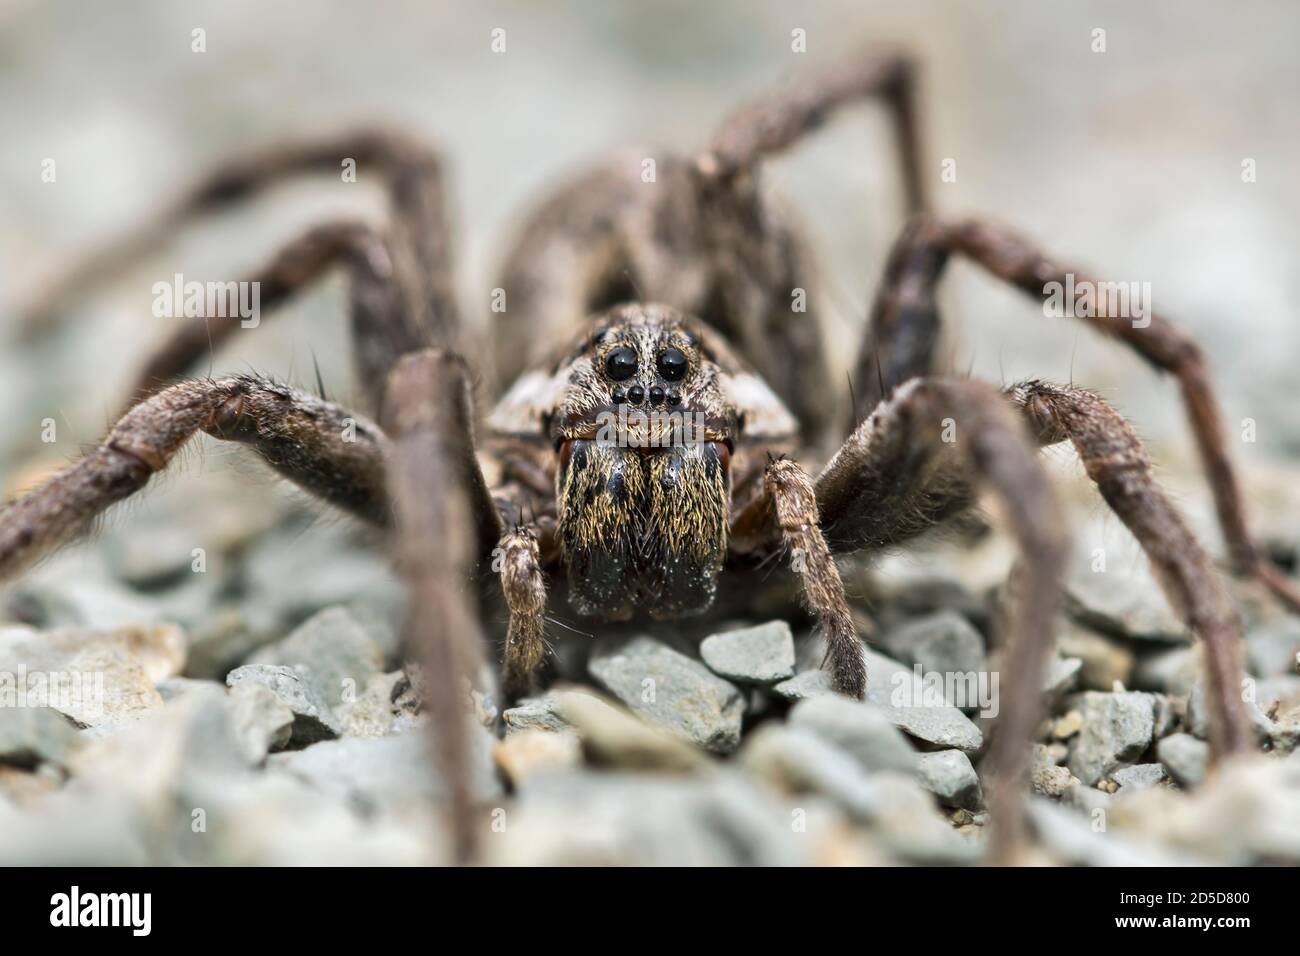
644,432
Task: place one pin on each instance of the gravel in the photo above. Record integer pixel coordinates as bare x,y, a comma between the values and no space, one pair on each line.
309,751
374,774
944,642
336,653
1171,670
761,655
534,713
313,719
1198,715
948,774
860,729
30,736
1185,758
799,761
613,737
1126,602
1104,661
891,687
1117,730
805,685
586,818
1046,777
262,720
1142,776
670,689
522,755
1273,650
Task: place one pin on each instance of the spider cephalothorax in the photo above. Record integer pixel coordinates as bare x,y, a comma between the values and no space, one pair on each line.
647,458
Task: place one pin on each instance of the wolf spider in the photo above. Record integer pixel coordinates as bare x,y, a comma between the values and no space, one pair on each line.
626,299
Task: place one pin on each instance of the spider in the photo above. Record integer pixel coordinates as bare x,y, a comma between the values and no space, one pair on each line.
662,393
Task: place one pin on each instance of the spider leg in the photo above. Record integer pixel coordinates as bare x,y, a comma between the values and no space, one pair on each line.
321,447
525,593
401,288
1115,460
880,490
698,234
444,517
385,324
787,502
777,122
765,295
905,324
437,512
913,462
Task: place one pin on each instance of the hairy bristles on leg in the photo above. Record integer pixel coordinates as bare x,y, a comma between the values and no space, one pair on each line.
1115,460
794,504
436,554
901,343
318,445
525,594
920,452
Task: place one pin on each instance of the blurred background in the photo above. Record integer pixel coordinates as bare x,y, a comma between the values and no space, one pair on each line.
1127,162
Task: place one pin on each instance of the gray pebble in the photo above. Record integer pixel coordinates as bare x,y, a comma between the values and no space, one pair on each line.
1198,715
1142,776
944,642
33,735
603,818
313,718
535,713
754,655
1046,777
1117,729
891,687
1271,650
1123,601
1173,670
798,760
334,649
804,685
860,729
1104,660
910,705
948,774
378,772
263,722
1185,757
668,688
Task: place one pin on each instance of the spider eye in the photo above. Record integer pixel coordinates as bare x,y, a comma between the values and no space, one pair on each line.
621,363
672,364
